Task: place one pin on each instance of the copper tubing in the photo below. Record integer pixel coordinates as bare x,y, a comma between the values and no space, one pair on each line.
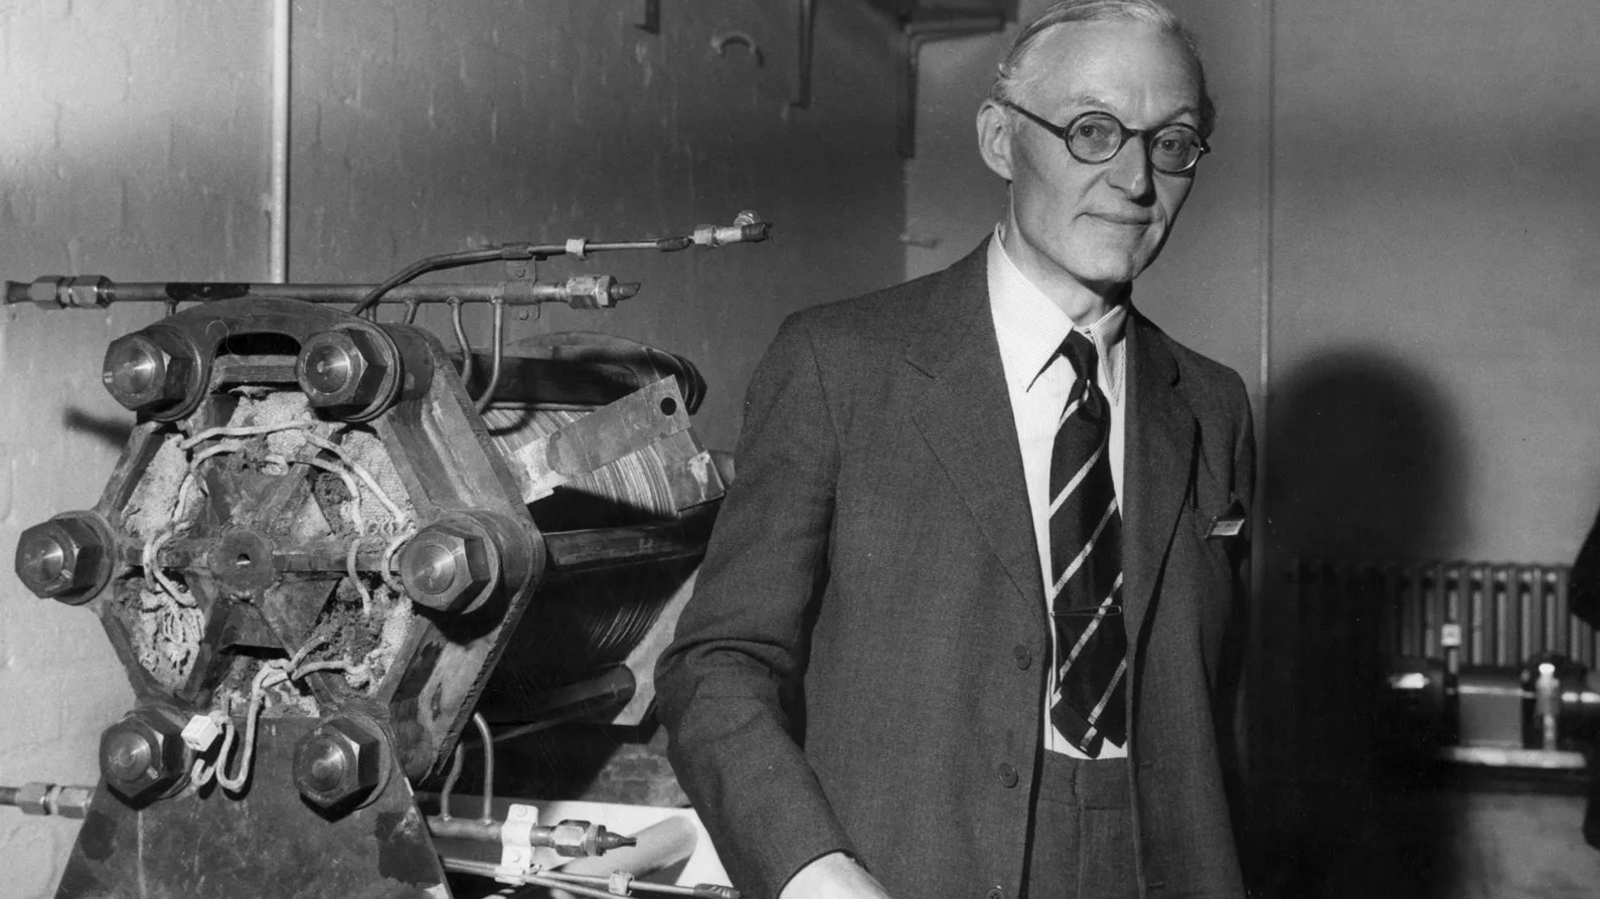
461,339
499,354
488,767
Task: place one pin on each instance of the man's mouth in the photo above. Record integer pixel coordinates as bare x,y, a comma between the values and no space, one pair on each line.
1113,218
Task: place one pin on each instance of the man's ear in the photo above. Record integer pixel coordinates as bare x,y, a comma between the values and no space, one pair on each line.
994,138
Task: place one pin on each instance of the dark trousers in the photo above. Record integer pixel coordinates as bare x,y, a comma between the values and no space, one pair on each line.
1080,842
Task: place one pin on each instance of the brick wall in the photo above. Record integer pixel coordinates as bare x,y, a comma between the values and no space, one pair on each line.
135,145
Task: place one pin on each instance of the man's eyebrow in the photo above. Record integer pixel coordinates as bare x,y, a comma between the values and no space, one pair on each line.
1097,103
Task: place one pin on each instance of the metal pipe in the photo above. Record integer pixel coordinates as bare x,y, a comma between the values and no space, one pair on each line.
278,205
666,843
488,869
36,798
488,767
461,339
569,838
499,355
450,781
482,831
516,293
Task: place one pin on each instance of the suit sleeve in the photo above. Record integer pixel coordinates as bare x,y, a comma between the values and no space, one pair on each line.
743,635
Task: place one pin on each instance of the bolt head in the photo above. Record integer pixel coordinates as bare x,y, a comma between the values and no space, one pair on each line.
143,375
127,754
338,763
143,754
343,370
449,565
66,558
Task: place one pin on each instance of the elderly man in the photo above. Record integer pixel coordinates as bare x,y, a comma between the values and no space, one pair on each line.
969,624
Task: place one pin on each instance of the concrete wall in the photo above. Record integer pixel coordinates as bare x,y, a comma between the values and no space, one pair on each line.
136,146
1434,218
133,147
1394,243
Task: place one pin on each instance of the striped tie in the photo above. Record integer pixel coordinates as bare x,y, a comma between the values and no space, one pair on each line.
1086,565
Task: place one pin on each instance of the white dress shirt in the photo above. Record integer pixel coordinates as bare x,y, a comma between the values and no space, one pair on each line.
1031,328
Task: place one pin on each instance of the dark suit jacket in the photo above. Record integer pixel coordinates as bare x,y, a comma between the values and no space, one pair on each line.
876,548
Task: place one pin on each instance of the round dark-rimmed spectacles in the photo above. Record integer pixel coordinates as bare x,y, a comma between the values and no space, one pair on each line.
1095,137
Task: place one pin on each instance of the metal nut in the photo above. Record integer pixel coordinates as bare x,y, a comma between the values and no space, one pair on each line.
67,558
31,798
580,839
449,565
344,369
49,799
73,802
339,762
89,292
143,375
46,292
143,754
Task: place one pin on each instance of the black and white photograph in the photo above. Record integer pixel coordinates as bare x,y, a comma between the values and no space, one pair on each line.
796,449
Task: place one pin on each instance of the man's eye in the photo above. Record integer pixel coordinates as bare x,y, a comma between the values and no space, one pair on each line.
1093,131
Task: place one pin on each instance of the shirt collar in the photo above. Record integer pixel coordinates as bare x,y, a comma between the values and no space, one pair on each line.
1031,328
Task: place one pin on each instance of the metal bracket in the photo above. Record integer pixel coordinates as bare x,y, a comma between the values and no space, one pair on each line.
649,17
720,42
516,843
638,420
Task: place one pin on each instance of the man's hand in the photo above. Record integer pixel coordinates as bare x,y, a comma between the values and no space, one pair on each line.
833,876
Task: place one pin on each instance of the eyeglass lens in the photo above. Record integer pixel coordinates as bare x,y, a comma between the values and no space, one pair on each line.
1097,136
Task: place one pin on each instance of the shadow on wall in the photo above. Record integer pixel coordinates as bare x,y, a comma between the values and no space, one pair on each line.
1365,465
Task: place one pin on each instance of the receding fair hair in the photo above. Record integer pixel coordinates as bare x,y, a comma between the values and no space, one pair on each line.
1014,78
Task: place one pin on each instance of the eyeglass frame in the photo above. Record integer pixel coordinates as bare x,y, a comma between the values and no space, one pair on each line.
1125,134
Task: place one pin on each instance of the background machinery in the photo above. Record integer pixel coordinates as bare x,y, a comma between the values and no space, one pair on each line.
332,549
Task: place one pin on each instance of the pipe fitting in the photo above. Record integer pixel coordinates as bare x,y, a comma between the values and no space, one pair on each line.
88,292
46,292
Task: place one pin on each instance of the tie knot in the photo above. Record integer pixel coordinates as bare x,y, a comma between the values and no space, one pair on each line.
1081,354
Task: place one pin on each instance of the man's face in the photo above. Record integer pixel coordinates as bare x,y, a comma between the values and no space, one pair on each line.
1098,225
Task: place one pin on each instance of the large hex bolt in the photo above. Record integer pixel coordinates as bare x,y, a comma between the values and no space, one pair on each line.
143,755
148,374
349,373
340,763
68,558
451,565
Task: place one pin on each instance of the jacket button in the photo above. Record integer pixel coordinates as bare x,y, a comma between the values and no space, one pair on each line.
1008,775
1022,655
995,892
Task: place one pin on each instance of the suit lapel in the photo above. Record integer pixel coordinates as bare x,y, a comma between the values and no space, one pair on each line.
1158,461
965,417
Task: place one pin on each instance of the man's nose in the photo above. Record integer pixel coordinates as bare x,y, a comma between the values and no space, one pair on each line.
1130,168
